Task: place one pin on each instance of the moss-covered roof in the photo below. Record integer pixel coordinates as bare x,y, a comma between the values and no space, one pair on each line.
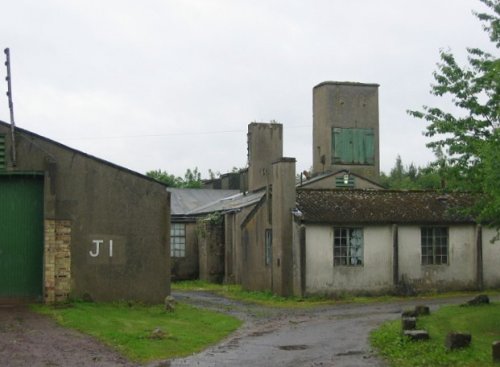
383,206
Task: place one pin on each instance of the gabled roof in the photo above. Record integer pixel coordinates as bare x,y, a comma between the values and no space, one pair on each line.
325,175
23,132
382,206
184,201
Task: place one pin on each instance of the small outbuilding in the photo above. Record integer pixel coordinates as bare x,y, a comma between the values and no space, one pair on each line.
73,225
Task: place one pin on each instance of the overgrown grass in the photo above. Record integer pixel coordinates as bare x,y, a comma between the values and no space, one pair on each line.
127,328
269,299
483,322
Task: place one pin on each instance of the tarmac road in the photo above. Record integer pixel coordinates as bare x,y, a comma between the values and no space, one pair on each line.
327,336
335,335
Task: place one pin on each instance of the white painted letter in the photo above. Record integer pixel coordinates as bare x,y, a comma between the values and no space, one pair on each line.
110,248
97,244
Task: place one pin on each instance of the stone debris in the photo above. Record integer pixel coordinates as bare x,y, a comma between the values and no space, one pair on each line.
170,303
481,299
157,333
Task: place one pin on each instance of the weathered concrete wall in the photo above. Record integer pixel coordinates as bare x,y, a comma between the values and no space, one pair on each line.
343,105
265,146
374,276
234,245
459,273
211,250
126,213
255,274
187,268
283,201
490,258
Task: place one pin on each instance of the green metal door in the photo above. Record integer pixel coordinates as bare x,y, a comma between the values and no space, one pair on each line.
21,237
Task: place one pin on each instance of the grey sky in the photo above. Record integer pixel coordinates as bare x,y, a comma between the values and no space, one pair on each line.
173,84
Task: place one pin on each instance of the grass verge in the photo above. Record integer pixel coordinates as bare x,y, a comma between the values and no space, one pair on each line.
127,328
234,291
483,322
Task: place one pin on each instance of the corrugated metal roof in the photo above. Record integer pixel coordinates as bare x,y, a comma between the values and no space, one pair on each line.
185,200
382,206
234,202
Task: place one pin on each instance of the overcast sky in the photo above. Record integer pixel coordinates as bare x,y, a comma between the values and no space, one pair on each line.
170,85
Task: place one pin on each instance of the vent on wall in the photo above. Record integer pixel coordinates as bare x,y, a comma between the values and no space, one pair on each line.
2,152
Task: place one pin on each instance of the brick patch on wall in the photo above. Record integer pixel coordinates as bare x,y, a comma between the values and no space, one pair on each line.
57,260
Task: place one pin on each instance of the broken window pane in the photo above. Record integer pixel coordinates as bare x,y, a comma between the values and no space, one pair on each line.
348,246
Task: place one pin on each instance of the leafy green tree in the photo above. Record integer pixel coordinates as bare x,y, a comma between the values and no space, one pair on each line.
411,177
191,180
165,177
469,138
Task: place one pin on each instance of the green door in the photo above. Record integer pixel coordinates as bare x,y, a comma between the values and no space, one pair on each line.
21,237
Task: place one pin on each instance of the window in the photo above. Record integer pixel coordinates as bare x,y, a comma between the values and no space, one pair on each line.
348,246
346,181
353,146
434,245
269,247
177,240
2,151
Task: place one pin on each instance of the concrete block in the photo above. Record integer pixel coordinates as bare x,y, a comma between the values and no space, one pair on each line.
457,340
495,351
417,334
422,310
409,323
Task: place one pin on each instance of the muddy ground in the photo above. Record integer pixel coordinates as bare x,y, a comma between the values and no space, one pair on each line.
327,336
30,339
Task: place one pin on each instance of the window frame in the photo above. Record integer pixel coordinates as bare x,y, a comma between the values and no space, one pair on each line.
345,252
431,245
177,240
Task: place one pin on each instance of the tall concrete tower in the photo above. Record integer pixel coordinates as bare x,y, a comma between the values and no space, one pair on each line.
346,128
265,146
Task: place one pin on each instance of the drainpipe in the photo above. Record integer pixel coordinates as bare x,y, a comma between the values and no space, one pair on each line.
302,243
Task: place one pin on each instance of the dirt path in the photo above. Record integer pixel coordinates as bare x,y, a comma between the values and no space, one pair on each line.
30,339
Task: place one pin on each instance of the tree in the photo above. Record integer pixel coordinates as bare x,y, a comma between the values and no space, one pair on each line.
191,180
469,139
411,177
165,177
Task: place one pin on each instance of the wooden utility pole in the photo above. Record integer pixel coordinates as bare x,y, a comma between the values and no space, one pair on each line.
11,107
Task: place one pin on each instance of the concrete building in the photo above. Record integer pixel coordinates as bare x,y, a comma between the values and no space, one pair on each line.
73,225
379,241
186,213
338,230
346,128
